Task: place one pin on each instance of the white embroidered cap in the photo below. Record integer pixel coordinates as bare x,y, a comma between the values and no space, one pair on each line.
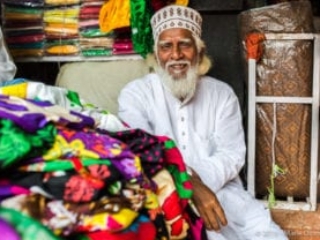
176,16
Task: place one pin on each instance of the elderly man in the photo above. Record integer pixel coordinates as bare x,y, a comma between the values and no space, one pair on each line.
203,116
7,67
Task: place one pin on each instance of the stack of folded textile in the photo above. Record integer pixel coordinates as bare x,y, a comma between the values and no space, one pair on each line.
62,27
123,42
69,170
23,28
93,42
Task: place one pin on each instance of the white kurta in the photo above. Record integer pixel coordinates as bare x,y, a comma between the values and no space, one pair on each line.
209,133
7,67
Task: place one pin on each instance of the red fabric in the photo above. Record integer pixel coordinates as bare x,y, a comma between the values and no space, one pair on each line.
146,231
173,210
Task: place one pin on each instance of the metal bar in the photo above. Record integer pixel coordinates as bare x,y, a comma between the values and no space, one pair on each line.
251,153
315,124
270,99
289,36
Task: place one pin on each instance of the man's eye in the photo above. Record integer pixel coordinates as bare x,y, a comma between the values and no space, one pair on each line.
165,46
185,45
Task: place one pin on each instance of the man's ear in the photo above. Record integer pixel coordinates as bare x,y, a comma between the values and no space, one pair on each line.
205,63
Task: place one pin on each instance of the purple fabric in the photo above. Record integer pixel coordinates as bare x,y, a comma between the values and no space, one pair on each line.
30,120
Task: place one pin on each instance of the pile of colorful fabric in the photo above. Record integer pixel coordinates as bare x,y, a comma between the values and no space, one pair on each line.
93,41
23,28
69,170
61,27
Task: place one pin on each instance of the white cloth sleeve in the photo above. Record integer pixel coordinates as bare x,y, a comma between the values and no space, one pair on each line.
132,110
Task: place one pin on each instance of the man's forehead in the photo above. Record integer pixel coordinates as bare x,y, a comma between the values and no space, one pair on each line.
174,39
175,34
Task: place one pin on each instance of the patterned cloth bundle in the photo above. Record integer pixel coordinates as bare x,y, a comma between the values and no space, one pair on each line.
70,170
22,27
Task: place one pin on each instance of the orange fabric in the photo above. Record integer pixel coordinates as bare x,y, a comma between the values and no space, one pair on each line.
63,50
253,45
182,2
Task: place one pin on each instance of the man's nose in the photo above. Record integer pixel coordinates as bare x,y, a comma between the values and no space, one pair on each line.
176,53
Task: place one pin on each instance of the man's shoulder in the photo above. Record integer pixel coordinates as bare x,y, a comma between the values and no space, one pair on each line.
142,81
211,82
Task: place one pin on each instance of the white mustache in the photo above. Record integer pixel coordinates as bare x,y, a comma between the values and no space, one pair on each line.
170,63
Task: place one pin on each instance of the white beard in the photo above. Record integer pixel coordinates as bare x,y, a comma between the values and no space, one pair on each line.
183,86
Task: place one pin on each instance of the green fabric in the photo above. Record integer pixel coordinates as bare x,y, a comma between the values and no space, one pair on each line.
179,177
74,98
92,33
64,164
23,10
16,144
169,144
27,227
141,13
96,52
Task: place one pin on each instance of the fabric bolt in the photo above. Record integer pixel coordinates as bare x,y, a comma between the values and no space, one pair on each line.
32,115
7,190
144,145
174,199
175,165
8,231
64,100
114,14
17,144
63,50
87,144
25,39
142,228
22,13
30,3
141,12
65,218
197,230
61,2
171,206
24,31
156,152
27,227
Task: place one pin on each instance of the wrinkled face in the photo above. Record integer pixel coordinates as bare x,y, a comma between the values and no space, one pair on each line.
176,52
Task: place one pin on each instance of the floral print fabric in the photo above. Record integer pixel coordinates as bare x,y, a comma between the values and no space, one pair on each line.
87,180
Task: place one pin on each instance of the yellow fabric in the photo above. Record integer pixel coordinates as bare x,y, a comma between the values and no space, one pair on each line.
71,12
18,90
73,27
63,50
182,2
59,19
124,218
61,2
114,14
